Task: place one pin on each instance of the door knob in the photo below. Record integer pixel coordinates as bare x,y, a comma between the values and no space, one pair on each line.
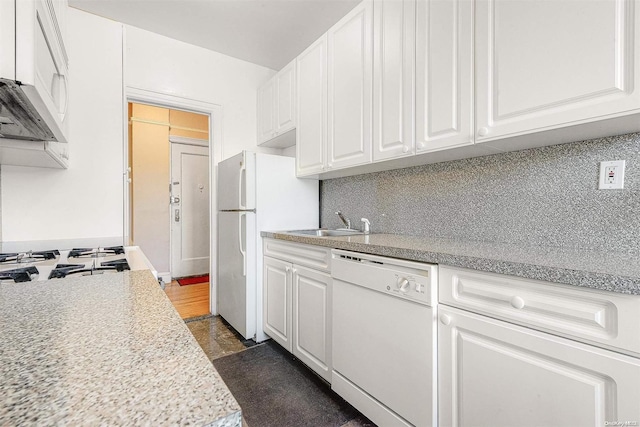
174,199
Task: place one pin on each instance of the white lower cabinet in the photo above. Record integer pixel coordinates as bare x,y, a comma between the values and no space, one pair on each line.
277,301
311,319
492,373
538,360
297,303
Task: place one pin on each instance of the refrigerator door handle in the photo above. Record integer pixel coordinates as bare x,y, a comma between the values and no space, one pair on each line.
242,177
241,243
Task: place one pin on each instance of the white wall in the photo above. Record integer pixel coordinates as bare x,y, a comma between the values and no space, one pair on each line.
160,64
86,199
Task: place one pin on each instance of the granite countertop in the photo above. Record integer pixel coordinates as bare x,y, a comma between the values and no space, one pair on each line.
104,350
616,272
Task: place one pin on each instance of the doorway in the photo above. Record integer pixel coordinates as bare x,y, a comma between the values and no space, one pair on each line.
169,200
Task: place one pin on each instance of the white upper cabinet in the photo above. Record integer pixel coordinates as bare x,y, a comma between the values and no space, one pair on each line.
285,99
444,74
266,121
393,78
349,70
546,64
311,132
41,61
406,81
277,109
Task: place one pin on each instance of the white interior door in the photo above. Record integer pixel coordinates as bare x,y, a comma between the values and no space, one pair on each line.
189,210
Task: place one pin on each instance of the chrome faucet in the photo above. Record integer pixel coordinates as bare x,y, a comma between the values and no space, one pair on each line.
345,221
366,226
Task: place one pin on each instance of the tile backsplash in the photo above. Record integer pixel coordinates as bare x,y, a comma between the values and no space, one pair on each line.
542,196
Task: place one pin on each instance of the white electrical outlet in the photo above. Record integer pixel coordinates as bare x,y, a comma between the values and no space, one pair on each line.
611,175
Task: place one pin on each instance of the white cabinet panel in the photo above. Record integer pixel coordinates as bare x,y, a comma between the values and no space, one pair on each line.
599,317
495,374
277,301
297,301
311,131
41,62
444,74
393,78
277,109
546,64
349,64
285,98
316,257
266,120
312,319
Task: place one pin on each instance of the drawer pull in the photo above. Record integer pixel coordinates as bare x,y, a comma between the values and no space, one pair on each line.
445,320
517,302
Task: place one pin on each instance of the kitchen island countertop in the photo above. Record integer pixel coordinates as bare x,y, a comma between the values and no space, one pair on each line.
104,350
609,271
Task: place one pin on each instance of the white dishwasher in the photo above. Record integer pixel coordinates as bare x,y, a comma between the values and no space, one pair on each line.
384,337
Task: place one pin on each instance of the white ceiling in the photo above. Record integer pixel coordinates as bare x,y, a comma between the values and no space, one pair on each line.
266,32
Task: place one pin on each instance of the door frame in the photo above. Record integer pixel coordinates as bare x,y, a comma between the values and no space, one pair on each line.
214,111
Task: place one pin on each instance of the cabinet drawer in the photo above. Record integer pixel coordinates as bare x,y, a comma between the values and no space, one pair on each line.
592,316
306,255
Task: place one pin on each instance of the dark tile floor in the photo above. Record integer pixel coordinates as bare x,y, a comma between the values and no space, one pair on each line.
218,339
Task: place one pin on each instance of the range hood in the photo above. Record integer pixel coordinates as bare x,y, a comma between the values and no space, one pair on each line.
34,84
26,137
19,119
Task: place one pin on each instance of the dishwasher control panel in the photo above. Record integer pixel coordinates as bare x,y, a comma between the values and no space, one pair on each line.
408,284
404,279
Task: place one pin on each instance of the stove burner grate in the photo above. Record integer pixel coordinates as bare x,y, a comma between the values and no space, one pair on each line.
97,252
30,256
19,275
63,270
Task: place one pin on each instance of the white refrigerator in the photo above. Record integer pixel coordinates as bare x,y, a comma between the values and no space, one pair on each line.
256,192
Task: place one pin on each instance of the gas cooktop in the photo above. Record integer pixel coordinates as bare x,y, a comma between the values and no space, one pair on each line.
59,264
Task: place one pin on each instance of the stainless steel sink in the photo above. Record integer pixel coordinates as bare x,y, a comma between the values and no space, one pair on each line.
323,232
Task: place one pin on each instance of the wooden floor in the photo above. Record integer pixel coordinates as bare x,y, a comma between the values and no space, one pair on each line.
190,301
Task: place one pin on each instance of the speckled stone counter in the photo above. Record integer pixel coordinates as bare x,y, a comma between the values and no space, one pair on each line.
616,272
104,350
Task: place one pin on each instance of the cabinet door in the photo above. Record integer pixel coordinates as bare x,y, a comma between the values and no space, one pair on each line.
41,63
492,373
312,319
285,99
266,119
311,131
276,290
60,8
393,78
547,64
444,74
350,48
